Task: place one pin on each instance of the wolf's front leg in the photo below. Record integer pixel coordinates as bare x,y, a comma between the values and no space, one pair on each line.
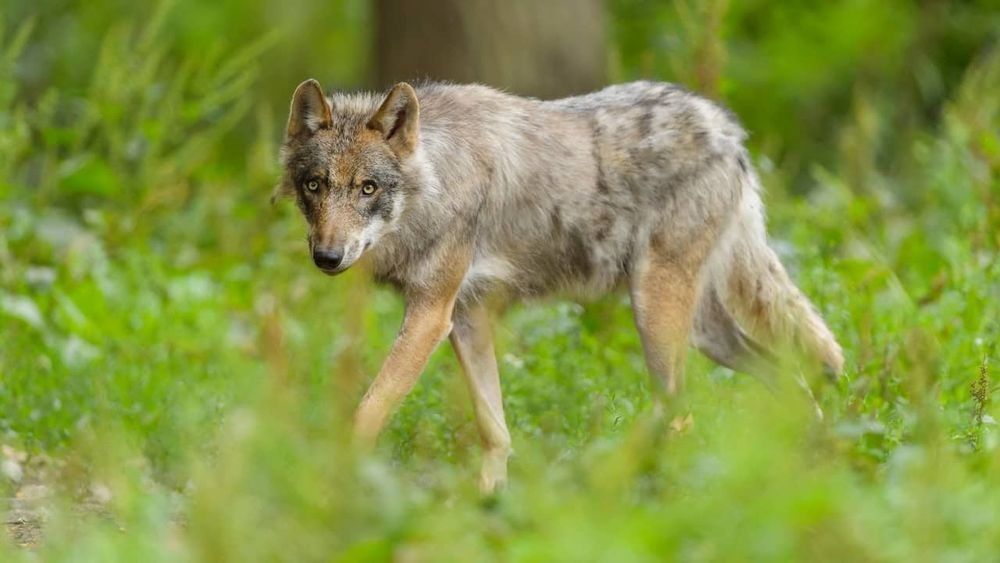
426,323
472,340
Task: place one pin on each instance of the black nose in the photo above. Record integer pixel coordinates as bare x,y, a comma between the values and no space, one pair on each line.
328,258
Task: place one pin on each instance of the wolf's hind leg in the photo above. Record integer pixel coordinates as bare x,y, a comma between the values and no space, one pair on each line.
473,343
664,292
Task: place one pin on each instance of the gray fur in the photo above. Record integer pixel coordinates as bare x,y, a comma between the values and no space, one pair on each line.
483,197
555,195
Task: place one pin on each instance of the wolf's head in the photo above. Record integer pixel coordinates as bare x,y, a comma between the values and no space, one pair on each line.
345,168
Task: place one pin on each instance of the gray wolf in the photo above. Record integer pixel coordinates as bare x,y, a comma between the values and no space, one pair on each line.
465,199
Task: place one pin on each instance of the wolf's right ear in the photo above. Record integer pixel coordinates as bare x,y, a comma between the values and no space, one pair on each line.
310,111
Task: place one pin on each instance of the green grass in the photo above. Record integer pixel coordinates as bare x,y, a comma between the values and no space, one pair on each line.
166,348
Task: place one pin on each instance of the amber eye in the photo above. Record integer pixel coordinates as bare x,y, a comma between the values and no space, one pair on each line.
368,187
312,185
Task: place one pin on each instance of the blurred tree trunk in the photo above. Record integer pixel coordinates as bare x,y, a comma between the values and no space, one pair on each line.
543,48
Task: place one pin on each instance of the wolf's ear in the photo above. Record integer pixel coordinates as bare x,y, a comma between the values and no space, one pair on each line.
310,111
398,119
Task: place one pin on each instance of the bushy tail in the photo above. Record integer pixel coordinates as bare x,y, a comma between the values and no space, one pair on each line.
756,290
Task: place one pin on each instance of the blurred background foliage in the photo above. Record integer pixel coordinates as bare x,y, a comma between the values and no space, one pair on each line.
172,366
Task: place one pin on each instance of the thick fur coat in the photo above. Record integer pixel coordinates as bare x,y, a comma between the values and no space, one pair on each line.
465,198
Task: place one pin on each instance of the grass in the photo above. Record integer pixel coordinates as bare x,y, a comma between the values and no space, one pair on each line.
181,378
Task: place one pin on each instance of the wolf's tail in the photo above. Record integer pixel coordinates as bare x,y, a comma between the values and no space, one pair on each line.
756,289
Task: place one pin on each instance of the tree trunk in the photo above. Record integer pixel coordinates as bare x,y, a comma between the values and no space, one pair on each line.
543,48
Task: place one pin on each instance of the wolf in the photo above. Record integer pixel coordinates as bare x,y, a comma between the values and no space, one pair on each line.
465,199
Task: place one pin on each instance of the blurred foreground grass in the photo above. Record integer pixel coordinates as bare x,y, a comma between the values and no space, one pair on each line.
179,376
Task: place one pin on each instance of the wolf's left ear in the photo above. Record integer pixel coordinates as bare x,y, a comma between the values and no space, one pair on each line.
310,111
398,119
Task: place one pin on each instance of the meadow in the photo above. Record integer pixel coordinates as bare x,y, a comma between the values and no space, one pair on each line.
176,379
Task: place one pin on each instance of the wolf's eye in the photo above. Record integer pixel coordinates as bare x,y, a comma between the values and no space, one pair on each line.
312,185
368,187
